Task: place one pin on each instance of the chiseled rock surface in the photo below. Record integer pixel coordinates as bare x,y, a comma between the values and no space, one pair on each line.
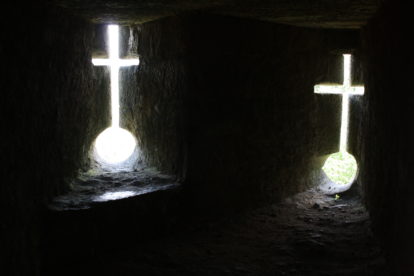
89,189
386,136
54,104
308,234
320,13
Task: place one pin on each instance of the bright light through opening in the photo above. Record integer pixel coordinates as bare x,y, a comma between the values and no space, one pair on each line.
346,90
341,168
114,63
115,145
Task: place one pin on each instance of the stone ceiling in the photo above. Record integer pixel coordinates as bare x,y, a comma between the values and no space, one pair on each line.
310,13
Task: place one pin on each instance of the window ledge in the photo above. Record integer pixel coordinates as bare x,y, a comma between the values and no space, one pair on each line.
90,190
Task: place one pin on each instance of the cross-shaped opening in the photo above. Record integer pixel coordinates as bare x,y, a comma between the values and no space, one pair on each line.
341,167
114,145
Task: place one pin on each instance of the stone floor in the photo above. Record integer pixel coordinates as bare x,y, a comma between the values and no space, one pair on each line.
308,234
94,188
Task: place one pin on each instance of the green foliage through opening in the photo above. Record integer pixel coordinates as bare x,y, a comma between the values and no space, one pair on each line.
340,167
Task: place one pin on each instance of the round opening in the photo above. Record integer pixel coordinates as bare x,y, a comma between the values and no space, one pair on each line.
115,145
341,168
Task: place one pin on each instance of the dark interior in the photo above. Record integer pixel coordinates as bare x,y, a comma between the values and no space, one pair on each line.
223,103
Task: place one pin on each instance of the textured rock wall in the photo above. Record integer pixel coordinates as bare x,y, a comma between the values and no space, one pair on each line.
226,103
257,132
317,13
52,110
236,98
356,115
387,134
152,93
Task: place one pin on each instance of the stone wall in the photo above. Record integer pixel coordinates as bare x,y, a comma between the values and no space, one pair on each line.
152,93
258,133
387,136
231,102
225,104
356,115
52,109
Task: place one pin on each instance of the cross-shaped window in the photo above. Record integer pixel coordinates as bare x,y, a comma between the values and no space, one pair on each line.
115,145
341,167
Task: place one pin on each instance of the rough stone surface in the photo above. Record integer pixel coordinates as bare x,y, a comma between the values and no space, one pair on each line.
226,104
386,134
73,239
51,112
309,234
320,13
244,126
356,117
152,94
253,119
89,190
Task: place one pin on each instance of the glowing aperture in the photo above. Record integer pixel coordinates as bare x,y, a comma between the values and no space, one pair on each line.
114,62
115,145
346,90
341,168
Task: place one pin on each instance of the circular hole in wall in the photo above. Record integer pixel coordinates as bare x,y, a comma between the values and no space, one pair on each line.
341,169
115,145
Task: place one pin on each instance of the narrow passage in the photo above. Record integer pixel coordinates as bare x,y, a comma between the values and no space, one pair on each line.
308,234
